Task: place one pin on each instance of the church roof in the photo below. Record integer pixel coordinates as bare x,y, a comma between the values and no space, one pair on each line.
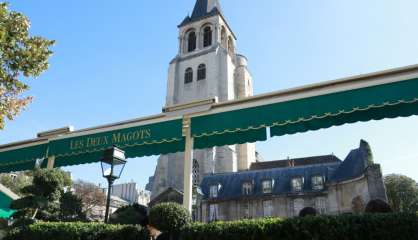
203,9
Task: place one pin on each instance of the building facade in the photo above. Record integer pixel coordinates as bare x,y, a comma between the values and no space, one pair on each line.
206,66
131,193
284,188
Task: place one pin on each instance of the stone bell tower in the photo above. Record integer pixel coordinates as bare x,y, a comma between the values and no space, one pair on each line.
206,66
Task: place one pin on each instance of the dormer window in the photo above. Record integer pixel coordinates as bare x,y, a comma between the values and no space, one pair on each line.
297,184
201,72
267,186
247,188
317,182
188,75
207,36
191,42
214,191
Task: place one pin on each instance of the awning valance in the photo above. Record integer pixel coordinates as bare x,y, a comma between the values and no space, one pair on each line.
137,141
22,158
377,102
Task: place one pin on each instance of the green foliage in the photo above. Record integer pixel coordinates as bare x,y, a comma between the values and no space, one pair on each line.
402,193
378,206
77,231
169,217
42,200
22,56
71,208
135,214
16,183
347,227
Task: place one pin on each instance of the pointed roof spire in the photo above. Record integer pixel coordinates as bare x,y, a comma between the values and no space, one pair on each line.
203,9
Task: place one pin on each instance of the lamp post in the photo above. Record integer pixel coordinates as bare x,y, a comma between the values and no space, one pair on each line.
113,163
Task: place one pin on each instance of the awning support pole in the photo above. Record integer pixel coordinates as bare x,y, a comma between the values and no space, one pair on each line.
188,165
51,162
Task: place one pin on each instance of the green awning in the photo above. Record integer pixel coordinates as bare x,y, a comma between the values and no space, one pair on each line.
399,99
22,158
6,213
145,140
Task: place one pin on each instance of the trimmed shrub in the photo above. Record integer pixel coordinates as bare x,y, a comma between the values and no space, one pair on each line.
77,231
308,211
348,227
169,217
378,206
130,215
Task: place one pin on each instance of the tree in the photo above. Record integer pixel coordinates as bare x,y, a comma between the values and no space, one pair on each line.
16,182
130,215
71,208
170,218
21,56
42,200
90,194
402,193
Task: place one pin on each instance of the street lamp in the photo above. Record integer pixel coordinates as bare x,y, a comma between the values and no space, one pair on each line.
113,163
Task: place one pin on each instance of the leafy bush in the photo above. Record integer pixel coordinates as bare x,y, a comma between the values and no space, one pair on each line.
378,206
135,214
169,217
308,211
348,227
77,231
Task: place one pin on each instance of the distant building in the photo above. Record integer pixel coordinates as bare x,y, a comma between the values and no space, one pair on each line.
131,193
283,188
97,213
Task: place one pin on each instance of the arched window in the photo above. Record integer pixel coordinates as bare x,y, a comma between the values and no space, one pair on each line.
191,42
201,72
188,75
196,177
207,36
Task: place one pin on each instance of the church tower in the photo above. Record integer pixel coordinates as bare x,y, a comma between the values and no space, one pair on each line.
206,66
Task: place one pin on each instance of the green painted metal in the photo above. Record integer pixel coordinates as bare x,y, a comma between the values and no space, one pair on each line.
391,100
5,211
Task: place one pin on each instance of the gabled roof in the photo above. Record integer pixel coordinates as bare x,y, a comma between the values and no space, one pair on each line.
203,9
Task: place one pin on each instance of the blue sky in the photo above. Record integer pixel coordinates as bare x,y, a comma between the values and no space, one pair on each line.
111,60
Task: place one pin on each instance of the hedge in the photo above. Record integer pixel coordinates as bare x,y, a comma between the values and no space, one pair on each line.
77,231
348,227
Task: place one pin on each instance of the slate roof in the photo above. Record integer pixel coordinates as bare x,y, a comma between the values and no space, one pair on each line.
203,9
333,171
294,162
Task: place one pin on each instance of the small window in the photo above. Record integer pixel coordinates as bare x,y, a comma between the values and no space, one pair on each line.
196,177
317,183
297,184
207,37
188,76
268,208
214,190
267,186
247,188
191,43
201,72
213,212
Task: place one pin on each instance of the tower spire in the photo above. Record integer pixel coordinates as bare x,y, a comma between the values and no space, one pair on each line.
203,9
